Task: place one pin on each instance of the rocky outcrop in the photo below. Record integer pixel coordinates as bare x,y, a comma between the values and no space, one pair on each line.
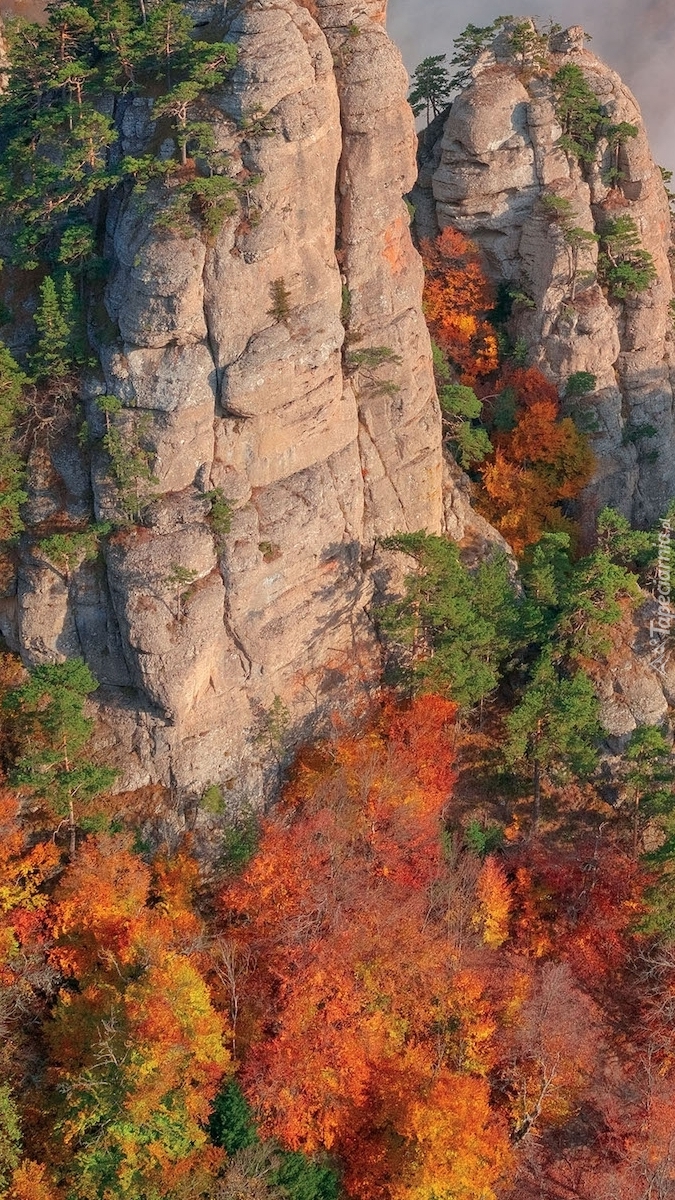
283,365
498,156
635,681
318,450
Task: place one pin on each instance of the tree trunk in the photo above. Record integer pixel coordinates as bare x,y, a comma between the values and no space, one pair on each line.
636,825
73,830
536,794
71,807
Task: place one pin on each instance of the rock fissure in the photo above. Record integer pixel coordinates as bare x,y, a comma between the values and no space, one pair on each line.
233,354
499,144
261,409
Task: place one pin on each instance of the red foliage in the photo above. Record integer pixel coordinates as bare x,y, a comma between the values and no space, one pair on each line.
456,295
365,1038
541,462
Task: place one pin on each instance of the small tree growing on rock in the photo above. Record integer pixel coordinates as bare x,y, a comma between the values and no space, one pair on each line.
280,307
48,712
130,462
579,113
461,409
431,87
617,136
181,578
560,211
528,46
624,266
468,47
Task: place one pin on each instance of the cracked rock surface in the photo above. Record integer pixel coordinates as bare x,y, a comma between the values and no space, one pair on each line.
486,171
315,459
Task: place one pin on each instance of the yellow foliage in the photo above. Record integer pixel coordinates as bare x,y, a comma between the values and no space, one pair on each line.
494,895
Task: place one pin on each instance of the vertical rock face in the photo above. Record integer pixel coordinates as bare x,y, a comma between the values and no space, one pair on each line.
498,157
231,364
398,434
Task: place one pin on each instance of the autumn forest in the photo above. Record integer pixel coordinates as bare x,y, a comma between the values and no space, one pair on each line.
440,963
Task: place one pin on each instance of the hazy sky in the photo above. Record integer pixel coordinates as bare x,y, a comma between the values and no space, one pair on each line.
636,37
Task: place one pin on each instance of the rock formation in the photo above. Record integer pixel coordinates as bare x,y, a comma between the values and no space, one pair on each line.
284,365
317,454
496,158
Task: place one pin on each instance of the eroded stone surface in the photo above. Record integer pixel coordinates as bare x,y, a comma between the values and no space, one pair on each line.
498,156
223,385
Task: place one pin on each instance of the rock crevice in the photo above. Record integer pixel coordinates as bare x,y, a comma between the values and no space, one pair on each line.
226,388
486,171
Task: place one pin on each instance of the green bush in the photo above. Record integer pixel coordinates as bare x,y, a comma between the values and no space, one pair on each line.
581,383
624,266
579,112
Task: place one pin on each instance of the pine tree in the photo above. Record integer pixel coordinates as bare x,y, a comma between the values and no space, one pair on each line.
555,727
579,112
635,549
624,266
431,87
528,45
617,136
48,712
461,411
57,146
648,774
51,360
458,627
12,466
130,461
10,1138
165,39
468,46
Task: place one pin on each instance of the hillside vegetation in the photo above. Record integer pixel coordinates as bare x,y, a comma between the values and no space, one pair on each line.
441,965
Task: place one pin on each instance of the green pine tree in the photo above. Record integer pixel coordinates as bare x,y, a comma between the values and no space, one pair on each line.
468,439
430,87
579,113
51,360
10,1138
49,720
12,465
468,47
455,628
624,266
648,774
555,727
635,549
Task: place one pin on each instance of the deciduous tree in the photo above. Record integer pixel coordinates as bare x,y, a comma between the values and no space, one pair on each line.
357,1046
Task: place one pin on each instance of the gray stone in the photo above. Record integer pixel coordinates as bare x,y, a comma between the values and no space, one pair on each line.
497,157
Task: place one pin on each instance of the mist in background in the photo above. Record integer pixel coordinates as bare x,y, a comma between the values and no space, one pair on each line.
636,38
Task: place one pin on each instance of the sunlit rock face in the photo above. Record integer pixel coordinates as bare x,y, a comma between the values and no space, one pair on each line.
237,360
496,159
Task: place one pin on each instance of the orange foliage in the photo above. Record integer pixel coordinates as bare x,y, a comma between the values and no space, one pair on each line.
494,895
24,936
451,1128
583,904
541,462
135,1044
456,293
31,1182
22,870
366,1037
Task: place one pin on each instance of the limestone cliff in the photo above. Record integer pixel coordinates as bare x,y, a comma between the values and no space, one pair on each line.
284,365
317,455
486,171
